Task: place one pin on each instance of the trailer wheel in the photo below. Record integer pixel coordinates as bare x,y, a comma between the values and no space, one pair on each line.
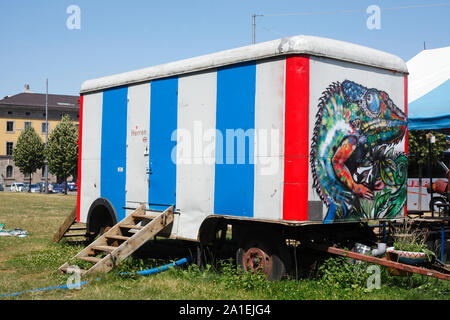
101,216
257,256
435,202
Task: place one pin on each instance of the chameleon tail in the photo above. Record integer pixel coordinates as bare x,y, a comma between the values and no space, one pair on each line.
330,214
335,211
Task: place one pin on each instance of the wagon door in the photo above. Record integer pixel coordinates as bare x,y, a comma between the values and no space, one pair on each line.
138,123
162,143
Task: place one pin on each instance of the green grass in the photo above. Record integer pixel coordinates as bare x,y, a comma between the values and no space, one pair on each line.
32,262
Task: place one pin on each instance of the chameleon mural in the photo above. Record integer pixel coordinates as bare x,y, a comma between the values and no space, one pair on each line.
356,170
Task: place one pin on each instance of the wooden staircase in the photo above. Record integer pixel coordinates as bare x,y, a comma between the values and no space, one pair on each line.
71,229
122,240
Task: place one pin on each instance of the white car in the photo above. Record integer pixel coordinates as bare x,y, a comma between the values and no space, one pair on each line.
17,187
35,188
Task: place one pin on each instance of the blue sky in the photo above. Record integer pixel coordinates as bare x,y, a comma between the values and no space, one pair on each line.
119,36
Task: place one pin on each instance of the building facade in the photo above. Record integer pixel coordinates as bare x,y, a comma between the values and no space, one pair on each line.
28,109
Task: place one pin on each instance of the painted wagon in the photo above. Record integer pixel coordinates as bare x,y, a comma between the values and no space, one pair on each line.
301,137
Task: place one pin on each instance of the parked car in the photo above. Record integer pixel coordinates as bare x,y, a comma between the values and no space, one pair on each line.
1,187
42,186
57,188
17,187
35,188
71,186
26,187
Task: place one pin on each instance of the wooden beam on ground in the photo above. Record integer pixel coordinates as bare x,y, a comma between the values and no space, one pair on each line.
381,261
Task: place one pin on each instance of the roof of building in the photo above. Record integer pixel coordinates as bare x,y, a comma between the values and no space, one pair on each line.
37,100
314,46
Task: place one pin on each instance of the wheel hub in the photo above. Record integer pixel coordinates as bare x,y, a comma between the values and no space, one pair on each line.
256,260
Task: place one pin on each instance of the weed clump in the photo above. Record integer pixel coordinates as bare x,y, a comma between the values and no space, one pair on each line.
340,273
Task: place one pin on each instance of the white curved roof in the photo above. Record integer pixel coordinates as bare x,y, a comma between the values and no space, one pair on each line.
309,45
429,90
428,70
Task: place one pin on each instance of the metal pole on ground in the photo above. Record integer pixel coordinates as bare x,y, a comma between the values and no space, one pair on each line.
431,139
46,136
442,242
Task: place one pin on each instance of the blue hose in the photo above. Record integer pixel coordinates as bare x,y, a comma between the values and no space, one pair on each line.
71,286
65,286
157,269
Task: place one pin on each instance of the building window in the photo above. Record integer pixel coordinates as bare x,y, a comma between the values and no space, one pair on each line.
9,171
9,112
9,126
26,125
44,127
27,113
9,148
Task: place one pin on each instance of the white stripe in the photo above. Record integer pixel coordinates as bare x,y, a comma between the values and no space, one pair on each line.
138,130
195,151
269,142
91,150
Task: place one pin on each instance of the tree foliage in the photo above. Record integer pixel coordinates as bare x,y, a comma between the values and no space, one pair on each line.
62,149
418,147
28,154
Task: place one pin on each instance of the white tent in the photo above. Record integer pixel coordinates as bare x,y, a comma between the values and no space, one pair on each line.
429,90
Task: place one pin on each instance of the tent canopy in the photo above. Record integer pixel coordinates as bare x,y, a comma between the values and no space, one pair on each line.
429,90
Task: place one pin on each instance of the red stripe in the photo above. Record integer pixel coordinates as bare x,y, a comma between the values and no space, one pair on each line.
405,82
80,136
296,145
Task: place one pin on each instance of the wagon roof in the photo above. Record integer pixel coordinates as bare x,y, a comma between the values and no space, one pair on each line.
310,45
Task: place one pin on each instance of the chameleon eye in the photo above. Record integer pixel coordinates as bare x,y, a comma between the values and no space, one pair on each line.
373,102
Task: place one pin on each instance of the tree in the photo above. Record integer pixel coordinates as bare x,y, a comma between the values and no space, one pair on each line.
62,150
418,148
28,154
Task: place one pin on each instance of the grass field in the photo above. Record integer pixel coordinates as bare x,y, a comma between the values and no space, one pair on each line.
32,262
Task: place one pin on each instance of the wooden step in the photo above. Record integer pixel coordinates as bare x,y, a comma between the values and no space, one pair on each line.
75,235
67,268
76,228
117,237
104,248
90,259
145,216
130,226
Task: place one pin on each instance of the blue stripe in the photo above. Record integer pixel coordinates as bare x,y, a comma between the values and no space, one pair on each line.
163,124
114,148
235,114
